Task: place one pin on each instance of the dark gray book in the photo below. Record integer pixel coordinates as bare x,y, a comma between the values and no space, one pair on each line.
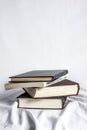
39,75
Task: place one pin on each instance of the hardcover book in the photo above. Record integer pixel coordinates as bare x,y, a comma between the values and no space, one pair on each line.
39,75
25,101
13,85
62,88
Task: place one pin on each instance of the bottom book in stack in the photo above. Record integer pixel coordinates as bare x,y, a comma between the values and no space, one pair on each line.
51,97
26,101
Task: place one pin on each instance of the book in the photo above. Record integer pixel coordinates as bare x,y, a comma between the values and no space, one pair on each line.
25,101
39,75
14,85
62,88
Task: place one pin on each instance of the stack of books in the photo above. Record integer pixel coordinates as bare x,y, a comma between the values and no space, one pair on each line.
45,89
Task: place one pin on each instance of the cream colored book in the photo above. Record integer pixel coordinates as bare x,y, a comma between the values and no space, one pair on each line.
24,85
25,101
62,88
14,85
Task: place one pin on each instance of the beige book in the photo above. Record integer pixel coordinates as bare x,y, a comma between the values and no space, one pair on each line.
62,88
12,85
24,85
25,101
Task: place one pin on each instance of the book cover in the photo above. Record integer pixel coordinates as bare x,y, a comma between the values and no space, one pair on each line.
39,75
25,101
62,88
16,85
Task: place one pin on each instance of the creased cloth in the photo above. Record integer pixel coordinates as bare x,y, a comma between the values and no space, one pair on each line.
72,117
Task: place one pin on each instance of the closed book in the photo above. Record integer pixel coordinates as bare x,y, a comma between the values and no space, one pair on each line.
25,101
62,88
39,75
14,85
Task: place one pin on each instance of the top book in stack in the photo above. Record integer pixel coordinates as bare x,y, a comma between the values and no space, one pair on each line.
39,78
39,75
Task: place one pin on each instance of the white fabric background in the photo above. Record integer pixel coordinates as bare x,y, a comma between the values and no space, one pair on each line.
43,34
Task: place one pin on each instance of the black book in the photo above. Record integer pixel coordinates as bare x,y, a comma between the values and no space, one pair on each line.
39,75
